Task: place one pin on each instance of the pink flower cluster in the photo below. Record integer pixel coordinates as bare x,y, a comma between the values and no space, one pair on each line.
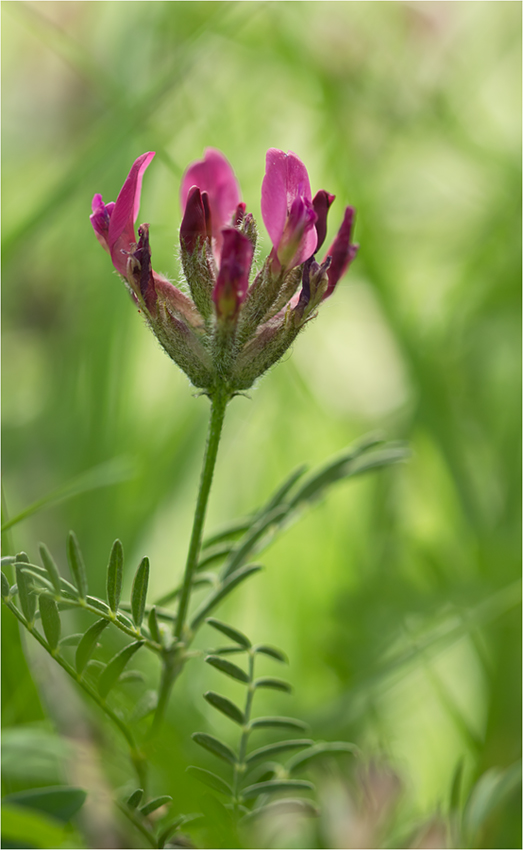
229,332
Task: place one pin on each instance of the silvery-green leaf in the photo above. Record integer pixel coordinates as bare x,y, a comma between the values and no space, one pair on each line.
272,750
228,668
135,798
274,786
215,746
210,779
50,620
152,805
25,594
272,652
275,684
87,644
231,633
225,706
115,575
76,562
139,591
51,568
111,672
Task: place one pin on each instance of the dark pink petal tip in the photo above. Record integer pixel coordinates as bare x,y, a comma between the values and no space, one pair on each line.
233,278
321,202
194,227
213,175
342,251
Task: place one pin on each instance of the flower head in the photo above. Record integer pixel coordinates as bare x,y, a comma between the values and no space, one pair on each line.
231,330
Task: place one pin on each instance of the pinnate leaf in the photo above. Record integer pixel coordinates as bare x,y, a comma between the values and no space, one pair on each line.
275,684
215,746
228,668
231,633
272,652
51,568
76,562
139,592
111,672
211,779
115,575
152,805
225,706
278,722
50,620
135,799
274,786
271,750
87,644
320,749
25,594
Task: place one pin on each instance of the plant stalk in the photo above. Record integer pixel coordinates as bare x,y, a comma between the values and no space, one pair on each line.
173,661
219,401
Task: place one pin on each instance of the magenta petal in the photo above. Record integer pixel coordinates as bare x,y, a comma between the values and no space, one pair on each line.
121,226
214,175
285,180
100,220
233,278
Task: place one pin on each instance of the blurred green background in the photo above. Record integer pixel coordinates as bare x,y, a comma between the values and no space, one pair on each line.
397,598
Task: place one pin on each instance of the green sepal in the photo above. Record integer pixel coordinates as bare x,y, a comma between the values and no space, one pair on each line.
111,672
76,562
231,633
51,568
87,644
152,805
50,620
139,592
115,575
228,668
215,746
225,706
211,779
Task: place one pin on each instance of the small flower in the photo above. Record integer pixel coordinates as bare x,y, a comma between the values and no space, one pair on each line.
230,332
215,178
287,209
233,278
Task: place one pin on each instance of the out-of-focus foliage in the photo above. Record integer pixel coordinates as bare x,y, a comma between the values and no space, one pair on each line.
397,598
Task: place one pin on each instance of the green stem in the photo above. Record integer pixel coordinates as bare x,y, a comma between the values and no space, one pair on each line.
136,756
239,769
174,659
219,402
